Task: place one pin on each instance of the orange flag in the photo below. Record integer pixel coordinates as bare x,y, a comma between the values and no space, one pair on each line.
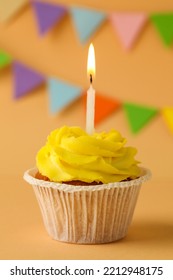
104,106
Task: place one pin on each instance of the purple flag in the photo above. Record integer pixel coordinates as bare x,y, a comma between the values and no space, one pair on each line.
25,79
47,15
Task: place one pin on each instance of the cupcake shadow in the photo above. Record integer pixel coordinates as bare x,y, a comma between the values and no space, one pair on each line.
156,231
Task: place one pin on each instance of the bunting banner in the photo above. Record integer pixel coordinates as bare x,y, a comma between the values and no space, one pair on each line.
104,106
47,15
128,26
5,59
164,25
138,115
86,22
62,94
168,116
25,79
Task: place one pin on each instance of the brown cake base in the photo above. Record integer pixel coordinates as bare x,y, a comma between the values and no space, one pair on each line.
74,182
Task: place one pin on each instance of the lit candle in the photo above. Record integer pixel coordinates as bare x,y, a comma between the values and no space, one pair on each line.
90,108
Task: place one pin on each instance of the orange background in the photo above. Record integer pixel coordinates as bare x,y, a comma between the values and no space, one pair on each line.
142,75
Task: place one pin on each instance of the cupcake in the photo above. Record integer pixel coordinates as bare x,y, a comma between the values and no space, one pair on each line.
86,185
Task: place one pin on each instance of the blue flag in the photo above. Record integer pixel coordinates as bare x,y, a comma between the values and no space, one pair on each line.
61,94
86,22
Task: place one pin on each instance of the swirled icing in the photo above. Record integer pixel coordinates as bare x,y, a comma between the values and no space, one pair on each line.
71,154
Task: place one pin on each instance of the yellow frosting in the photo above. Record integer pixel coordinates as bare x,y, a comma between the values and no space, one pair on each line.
71,154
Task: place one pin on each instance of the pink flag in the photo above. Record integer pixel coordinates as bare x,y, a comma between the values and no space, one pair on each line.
128,26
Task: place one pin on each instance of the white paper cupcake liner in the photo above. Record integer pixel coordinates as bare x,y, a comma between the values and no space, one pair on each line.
87,214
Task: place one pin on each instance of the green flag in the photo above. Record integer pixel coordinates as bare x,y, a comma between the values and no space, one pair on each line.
5,59
164,25
138,116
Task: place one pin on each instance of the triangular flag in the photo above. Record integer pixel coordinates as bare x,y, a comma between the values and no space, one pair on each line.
164,25
25,79
9,8
138,115
61,94
47,15
104,106
128,26
5,59
86,22
168,117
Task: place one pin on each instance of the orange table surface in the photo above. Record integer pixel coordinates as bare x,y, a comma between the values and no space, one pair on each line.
23,236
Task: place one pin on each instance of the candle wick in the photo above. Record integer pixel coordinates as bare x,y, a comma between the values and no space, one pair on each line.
91,79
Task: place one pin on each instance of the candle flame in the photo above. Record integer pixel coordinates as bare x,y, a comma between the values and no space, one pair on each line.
91,68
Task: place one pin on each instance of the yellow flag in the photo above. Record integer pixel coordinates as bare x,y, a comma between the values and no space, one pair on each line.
168,117
9,8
